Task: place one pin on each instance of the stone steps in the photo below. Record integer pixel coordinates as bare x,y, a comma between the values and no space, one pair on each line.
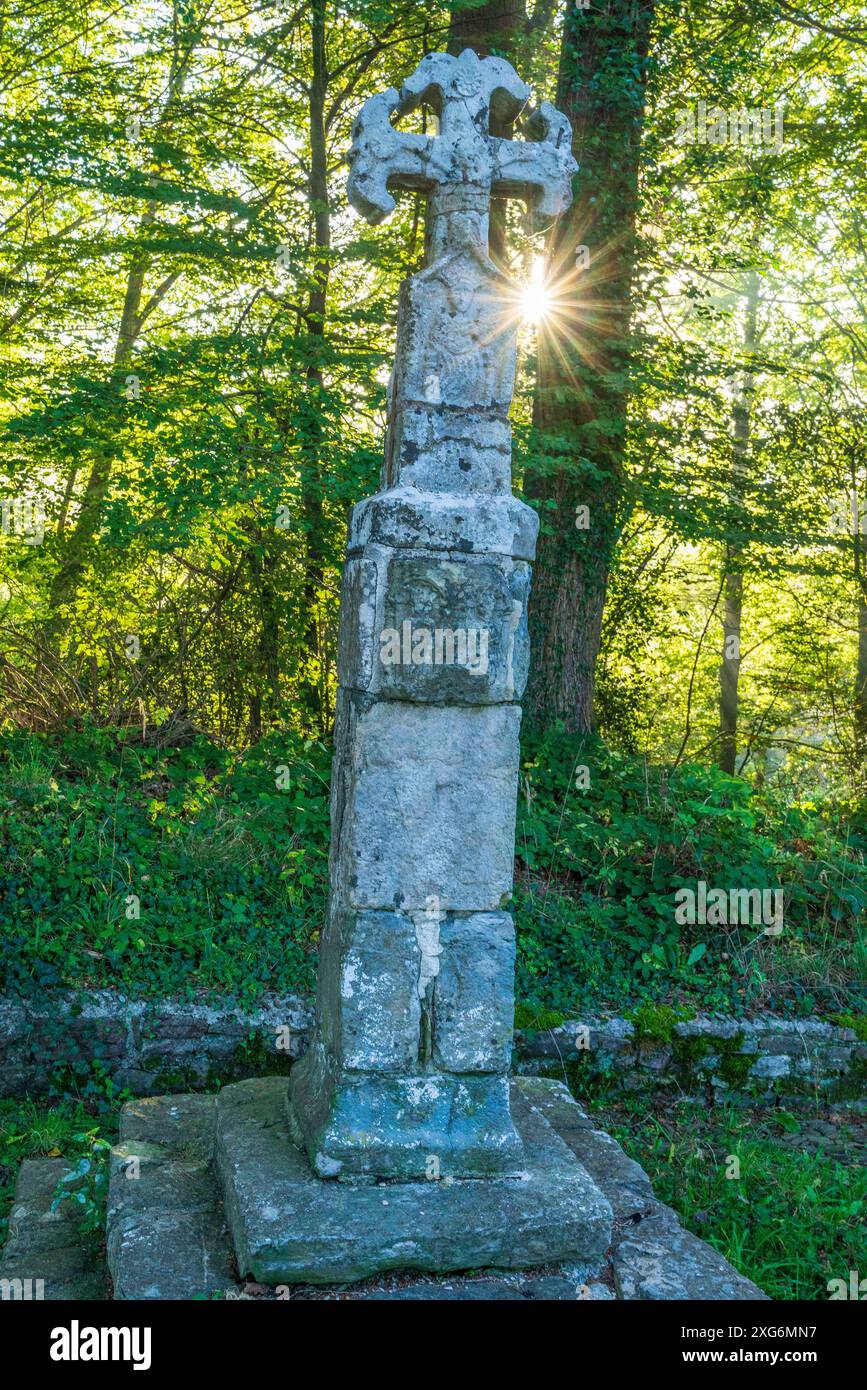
167,1234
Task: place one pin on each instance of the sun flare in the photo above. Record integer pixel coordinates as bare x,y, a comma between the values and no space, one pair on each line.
536,299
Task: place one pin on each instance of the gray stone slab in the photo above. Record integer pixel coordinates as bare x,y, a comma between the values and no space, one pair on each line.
37,1180
178,1184
34,1229
166,1231
184,1125
56,1264
658,1260
169,1254
623,1181
290,1226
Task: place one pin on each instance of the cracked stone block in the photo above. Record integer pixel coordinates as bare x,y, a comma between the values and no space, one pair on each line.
423,806
403,518
169,1185
369,1004
435,629
473,1000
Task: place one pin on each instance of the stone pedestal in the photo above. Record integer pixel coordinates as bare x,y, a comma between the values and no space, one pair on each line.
288,1226
208,1191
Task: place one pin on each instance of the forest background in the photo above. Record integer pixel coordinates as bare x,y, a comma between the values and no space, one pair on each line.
195,340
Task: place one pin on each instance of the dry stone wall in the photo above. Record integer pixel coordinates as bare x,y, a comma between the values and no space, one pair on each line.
158,1046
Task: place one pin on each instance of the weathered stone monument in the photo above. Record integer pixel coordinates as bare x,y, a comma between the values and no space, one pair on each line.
407,1079
415,1010
400,1141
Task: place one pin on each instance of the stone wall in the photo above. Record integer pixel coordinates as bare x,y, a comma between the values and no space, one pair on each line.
148,1046
767,1059
159,1046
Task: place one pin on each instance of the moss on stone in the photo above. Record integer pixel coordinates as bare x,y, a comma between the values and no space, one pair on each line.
686,1055
253,1057
657,1022
532,1020
857,1022
734,1065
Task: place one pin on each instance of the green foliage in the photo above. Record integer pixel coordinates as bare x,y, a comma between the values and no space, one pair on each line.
85,1186
792,1221
225,868
657,1021
230,872
66,1127
603,853
536,1020
858,1024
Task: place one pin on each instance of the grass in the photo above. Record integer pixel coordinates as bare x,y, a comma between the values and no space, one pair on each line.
791,1220
63,1128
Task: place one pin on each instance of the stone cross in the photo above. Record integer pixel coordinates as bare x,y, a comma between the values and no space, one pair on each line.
407,1076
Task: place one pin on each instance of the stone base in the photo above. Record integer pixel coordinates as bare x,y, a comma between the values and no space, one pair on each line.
356,1125
168,1237
166,1234
289,1226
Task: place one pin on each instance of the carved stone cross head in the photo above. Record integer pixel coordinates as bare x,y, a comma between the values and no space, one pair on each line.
463,164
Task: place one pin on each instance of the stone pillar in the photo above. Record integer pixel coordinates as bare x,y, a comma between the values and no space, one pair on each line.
407,1076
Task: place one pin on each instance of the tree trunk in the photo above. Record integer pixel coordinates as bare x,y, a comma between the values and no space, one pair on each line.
859,549
577,477
861,677
312,693
730,665
488,28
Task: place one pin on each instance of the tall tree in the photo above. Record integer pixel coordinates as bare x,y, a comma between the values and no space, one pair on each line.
733,586
576,475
